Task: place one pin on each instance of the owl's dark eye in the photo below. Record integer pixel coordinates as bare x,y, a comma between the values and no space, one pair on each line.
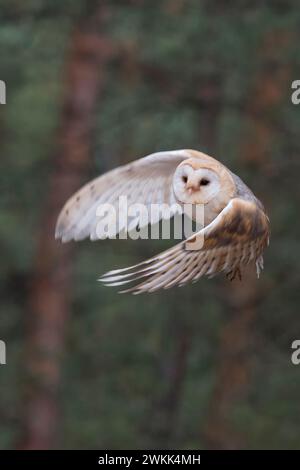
184,179
204,182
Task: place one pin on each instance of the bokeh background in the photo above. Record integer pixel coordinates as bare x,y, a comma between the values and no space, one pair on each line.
94,84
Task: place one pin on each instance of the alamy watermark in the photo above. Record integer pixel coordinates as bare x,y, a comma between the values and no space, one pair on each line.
295,357
2,352
295,97
2,92
124,220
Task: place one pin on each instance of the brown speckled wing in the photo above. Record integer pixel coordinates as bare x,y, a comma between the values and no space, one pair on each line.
237,236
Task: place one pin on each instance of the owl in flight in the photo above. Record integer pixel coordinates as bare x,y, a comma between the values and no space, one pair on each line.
235,232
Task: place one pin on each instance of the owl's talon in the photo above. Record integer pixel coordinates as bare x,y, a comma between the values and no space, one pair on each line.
233,274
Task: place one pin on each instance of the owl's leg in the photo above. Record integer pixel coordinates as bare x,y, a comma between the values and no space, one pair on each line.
231,275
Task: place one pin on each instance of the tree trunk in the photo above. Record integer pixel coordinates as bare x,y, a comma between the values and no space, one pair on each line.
161,422
50,293
234,364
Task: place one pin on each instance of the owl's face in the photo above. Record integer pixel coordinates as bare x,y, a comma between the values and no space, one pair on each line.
194,185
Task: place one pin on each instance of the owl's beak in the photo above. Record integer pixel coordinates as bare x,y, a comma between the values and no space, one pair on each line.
191,187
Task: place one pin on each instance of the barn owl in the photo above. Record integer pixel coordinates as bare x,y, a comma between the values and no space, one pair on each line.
235,231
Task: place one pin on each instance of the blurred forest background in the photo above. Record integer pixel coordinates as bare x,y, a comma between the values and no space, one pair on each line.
94,84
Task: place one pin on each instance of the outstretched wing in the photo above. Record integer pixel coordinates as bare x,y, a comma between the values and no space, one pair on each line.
146,181
236,236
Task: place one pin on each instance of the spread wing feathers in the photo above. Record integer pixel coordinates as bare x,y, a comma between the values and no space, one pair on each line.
236,236
147,181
